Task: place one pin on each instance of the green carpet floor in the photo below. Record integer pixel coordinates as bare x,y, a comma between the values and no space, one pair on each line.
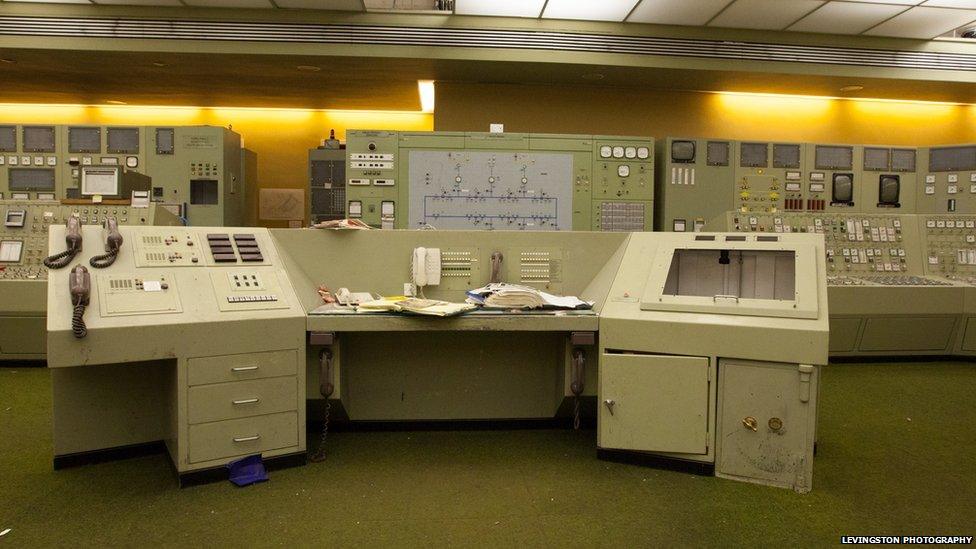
896,456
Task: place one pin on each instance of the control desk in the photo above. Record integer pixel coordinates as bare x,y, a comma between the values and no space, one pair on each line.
678,333
655,363
456,180
898,284
23,276
197,328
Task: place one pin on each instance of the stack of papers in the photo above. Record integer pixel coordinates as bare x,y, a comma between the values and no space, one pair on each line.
343,224
428,307
513,296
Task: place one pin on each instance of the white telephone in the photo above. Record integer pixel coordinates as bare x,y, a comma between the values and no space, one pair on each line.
426,268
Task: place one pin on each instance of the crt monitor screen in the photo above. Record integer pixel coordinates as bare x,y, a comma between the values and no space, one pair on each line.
843,188
683,151
888,190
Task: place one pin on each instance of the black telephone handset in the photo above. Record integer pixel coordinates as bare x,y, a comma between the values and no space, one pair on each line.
113,243
79,284
72,240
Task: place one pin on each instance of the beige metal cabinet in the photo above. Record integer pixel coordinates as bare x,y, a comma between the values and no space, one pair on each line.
654,403
767,423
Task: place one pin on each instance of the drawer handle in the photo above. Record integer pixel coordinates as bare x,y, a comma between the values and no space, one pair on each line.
245,401
246,439
244,368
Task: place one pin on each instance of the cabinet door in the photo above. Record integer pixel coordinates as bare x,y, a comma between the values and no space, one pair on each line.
766,423
654,403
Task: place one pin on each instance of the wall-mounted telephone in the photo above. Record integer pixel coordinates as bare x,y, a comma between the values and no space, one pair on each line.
496,267
113,243
79,284
72,240
426,267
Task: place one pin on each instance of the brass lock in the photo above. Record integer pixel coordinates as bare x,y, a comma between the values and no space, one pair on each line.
750,423
775,423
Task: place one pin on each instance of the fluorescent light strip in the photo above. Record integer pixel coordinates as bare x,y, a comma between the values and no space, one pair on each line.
426,88
838,98
133,106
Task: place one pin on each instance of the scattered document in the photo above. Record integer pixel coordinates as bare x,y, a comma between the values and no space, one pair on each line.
514,296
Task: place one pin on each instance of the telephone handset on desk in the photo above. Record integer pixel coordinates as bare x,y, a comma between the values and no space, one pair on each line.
79,284
426,267
113,243
72,239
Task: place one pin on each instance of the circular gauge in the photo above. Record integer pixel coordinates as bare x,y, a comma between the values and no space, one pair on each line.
623,171
606,151
618,152
643,152
630,152
132,161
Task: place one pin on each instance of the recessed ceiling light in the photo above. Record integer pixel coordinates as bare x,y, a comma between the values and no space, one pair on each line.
854,88
426,88
116,102
308,68
159,64
592,76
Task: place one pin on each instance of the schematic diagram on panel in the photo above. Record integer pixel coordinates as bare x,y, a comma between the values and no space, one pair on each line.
490,190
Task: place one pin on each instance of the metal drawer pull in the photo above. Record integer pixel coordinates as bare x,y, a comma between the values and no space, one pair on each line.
244,368
246,439
245,401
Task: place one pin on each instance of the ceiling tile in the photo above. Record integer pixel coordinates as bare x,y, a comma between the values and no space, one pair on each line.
676,12
922,22
229,3
764,14
846,17
899,2
52,1
590,10
343,5
510,8
139,2
966,4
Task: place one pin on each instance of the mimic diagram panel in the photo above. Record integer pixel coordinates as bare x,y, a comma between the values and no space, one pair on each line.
458,180
490,190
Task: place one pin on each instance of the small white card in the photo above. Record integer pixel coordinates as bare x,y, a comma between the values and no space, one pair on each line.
152,286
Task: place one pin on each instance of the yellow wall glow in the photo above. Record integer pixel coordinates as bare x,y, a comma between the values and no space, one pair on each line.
280,137
663,113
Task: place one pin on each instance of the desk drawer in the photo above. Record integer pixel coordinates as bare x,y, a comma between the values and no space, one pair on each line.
242,399
240,437
218,369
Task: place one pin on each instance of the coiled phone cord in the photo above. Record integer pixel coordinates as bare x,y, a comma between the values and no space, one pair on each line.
60,260
325,388
105,260
576,413
78,327
319,454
